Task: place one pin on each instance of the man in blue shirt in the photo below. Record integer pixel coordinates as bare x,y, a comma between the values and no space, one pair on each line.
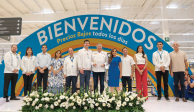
43,60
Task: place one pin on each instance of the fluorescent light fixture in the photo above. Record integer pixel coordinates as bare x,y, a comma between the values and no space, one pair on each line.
47,12
160,19
176,34
154,22
37,21
186,47
172,7
7,43
112,8
19,36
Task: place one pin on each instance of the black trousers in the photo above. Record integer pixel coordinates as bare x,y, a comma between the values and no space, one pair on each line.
43,76
7,78
128,80
159,75
95,78
27,83
179,76
72,79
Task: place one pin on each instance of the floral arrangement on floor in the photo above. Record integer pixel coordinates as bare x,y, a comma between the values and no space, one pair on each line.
122,101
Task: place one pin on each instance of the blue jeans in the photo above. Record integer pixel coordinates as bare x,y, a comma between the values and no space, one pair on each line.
95,77
84,78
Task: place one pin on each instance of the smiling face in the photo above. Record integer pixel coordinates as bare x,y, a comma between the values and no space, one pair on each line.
44,49
99,48
114,52
29,52
140,49
175,45
70,51
14,48
86,44
58,54
125,51
159,45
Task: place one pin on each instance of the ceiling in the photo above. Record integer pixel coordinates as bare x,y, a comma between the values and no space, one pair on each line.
179,16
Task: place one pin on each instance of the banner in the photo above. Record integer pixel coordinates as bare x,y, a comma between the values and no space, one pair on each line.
111,32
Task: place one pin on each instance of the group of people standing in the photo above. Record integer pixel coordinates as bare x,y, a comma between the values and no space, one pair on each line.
87,61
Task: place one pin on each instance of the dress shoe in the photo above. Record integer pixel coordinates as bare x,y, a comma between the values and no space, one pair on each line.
184,100
15,98
7,100
167,99
159,99
177,99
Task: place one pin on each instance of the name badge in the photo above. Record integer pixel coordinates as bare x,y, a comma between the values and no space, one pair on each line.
72,66
161,61
88,57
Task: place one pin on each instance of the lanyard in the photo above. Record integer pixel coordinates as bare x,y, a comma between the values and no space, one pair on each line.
160,54
71,59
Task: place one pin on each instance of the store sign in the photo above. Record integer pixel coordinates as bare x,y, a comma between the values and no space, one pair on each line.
167,39
111,32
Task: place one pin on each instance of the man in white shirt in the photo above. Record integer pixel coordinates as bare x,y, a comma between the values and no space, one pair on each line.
99,61
161,60
12,66
70,70
43,61
127,69
84,65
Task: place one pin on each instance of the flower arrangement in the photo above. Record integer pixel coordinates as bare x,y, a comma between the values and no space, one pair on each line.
122,101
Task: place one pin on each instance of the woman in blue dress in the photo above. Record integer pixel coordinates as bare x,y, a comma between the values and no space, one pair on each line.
56,78
115,70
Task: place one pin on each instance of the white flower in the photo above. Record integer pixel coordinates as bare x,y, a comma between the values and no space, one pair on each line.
62,97
84,99
36,107
59,101
30,99
108,105
103,104
138,98
99,108
33,104
126,99
37,96
85,108
56,103
114,95
79,101
74,100
36,99
124,103
110,100
113,98
46,106
119,103
40,105
72,104
83,103
100,99
47,99
117,108
45,94
137,102
130,104
42,99
131,97
52,107
74,107
28,103
96,104
92,106
71,98
119,98
51,94
56,98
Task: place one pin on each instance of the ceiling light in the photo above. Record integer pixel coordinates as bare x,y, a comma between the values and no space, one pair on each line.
154,22
172,7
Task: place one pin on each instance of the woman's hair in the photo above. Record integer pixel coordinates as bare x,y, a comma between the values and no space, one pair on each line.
27,50
56,55
142,51
111,55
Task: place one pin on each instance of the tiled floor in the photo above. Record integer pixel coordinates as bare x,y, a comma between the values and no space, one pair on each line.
152,105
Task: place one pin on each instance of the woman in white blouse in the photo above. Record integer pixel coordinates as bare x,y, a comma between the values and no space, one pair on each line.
141,63
28,67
